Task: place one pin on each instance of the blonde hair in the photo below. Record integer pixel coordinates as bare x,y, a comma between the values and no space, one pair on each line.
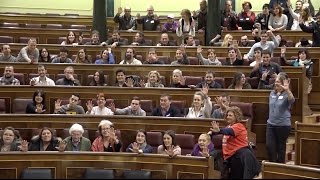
156,73
178,71
225,42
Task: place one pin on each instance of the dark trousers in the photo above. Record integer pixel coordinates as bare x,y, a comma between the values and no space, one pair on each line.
276,142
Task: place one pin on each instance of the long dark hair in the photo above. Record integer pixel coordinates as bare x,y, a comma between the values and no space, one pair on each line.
40,55
172,134
101,82
236,78
42,94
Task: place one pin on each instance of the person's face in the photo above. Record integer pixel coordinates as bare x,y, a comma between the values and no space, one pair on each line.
137,37
318,19
8,136
153,78
197,101
164,39
46,135
96,77
44,53
76,136
135,105
95,37
298,5
150,11
183,15
190,40
63,55
38,99
129,54
302,56
276,11
209,78
244,40
167,140
228,6
115,36
232,54
203,141
179,55
278,83
68,73
224,100
105,55
32,45
203,5
211,55
176,77
266,59
127,12
73,101
140,138
264,37
165,102
8,72
6,49
231,118
246,7
257,54
121,77
105,130
81,53
42,71
230,39
152,56
243,79
71,37
265,10
101,102
169,20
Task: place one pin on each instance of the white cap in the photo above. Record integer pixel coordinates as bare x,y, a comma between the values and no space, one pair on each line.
171,16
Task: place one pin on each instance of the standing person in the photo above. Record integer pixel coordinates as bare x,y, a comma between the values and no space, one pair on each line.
126,21
282,4
201,16
246,17
313,28
149,22
279,121
263,17
186,24
278,21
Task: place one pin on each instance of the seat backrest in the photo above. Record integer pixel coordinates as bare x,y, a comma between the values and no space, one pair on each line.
154,139
246,109
148,42
33,25
254,82
220,80
6,39
276,60
180,105
164,59
90,78
186,143
85,40
3,108
136,174
139,57
92,173
36,173
192,80
61,39
54,26
19,105
20,77
147,106
217,141
193,60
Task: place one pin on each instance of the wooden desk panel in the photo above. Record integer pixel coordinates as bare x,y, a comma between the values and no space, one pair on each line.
69,165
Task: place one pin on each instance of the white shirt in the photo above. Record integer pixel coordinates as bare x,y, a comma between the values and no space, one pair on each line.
46,82
134,62
97,111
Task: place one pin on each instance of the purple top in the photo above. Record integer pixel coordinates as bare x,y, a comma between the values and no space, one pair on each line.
196,149
170,27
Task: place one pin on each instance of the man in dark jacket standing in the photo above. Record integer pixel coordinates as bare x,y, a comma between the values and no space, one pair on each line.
313,28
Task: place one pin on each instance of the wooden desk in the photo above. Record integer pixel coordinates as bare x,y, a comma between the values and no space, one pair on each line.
294,36
284,171
69,165
307,144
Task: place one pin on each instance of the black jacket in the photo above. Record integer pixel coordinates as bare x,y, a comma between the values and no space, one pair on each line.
172,112
313,28
36,142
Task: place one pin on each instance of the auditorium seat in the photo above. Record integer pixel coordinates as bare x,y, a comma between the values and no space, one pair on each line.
54,26
148,42
147,106
193,80
193,60
217,141
246,109
136,174
180,105
154,139
290,43
3,106
85,40
19,105
197,42
220,80
186,143
139,57
61,39
26,39
165,59
90,78
92,173
65,133
76,26
20,77
36,173
276,60
254,82
33,25
6,39
5,24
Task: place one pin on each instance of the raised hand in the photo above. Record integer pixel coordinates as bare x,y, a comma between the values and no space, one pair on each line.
205,152
39,108
283,50
194,13
24,146
205,89
57,104
286,84
215,127
112,135
142,83
182,81
89,105
199,49
265,74
112,107
62,146
156,17
109,49
170,151
135,147
120,10
129,82
32,82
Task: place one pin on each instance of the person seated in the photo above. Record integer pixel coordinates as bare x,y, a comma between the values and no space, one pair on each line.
75,142
204,147
126,21
95,38
165,41
246,17
178,81
227,40
239,159
10,140
6,54
277,21
133,110
180,58
171,25
150,22
234,56
82,57
266,69
244,41
229,18
38,104
69,79
107,141
115,40
212,58
71,39
130,58
8,77
63,56
44,56
152,57
257,56
208,82
29,53
153,80
263,17
189,41
166,109
125,81
186,24
101,109
45,141
239,82
140,145
42,79
223,102
98,79
106,57
169,145
71,108
304,43
139,40
201,106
